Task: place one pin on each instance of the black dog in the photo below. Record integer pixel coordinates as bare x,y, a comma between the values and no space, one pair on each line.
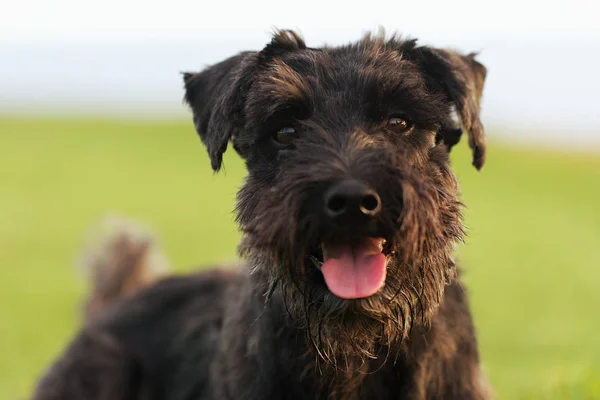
350,214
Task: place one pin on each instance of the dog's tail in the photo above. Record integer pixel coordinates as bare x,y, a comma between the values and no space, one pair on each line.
120,259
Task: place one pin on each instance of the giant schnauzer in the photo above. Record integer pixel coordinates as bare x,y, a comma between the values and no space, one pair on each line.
350,216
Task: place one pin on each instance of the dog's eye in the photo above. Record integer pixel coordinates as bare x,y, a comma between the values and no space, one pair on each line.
286,135
398,124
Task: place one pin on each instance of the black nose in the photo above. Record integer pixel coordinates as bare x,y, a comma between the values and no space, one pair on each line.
350,198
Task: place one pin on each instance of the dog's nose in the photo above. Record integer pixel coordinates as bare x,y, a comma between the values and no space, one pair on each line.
351,198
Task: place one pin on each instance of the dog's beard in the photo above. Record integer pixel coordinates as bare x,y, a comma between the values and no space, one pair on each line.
347,333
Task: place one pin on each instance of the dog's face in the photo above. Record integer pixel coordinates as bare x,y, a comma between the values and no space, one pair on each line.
350,207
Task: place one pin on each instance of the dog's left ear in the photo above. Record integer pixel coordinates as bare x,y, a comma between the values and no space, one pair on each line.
461,78
216,97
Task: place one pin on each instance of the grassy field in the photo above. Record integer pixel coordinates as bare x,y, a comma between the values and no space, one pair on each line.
532,262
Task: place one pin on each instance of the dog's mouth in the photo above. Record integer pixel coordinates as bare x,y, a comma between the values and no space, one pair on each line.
353,269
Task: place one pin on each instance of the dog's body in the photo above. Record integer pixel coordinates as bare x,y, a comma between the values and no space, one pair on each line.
350,215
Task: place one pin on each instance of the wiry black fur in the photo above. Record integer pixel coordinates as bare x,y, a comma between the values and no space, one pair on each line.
275,331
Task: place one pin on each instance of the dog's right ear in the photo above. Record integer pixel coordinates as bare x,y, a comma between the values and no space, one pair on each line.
216,96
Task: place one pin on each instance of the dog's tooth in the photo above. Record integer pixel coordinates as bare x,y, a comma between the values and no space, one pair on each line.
316,262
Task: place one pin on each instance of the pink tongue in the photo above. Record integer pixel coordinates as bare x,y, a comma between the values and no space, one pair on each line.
354,271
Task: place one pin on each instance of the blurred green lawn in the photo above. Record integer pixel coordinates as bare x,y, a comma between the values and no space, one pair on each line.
532,262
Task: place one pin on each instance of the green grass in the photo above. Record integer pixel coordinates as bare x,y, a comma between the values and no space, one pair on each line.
532,261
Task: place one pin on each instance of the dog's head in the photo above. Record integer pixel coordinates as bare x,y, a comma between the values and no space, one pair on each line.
350,207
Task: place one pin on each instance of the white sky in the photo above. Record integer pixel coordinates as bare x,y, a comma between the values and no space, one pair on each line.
124,56
110,21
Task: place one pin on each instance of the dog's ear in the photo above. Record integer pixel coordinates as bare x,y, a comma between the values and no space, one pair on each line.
216,96
461,78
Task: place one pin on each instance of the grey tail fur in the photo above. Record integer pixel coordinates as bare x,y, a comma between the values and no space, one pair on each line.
121,259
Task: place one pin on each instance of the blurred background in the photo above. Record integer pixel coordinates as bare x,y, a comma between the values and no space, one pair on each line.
92,123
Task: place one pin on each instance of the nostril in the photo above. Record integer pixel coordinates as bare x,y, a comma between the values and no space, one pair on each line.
336,204
370,204
350,199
